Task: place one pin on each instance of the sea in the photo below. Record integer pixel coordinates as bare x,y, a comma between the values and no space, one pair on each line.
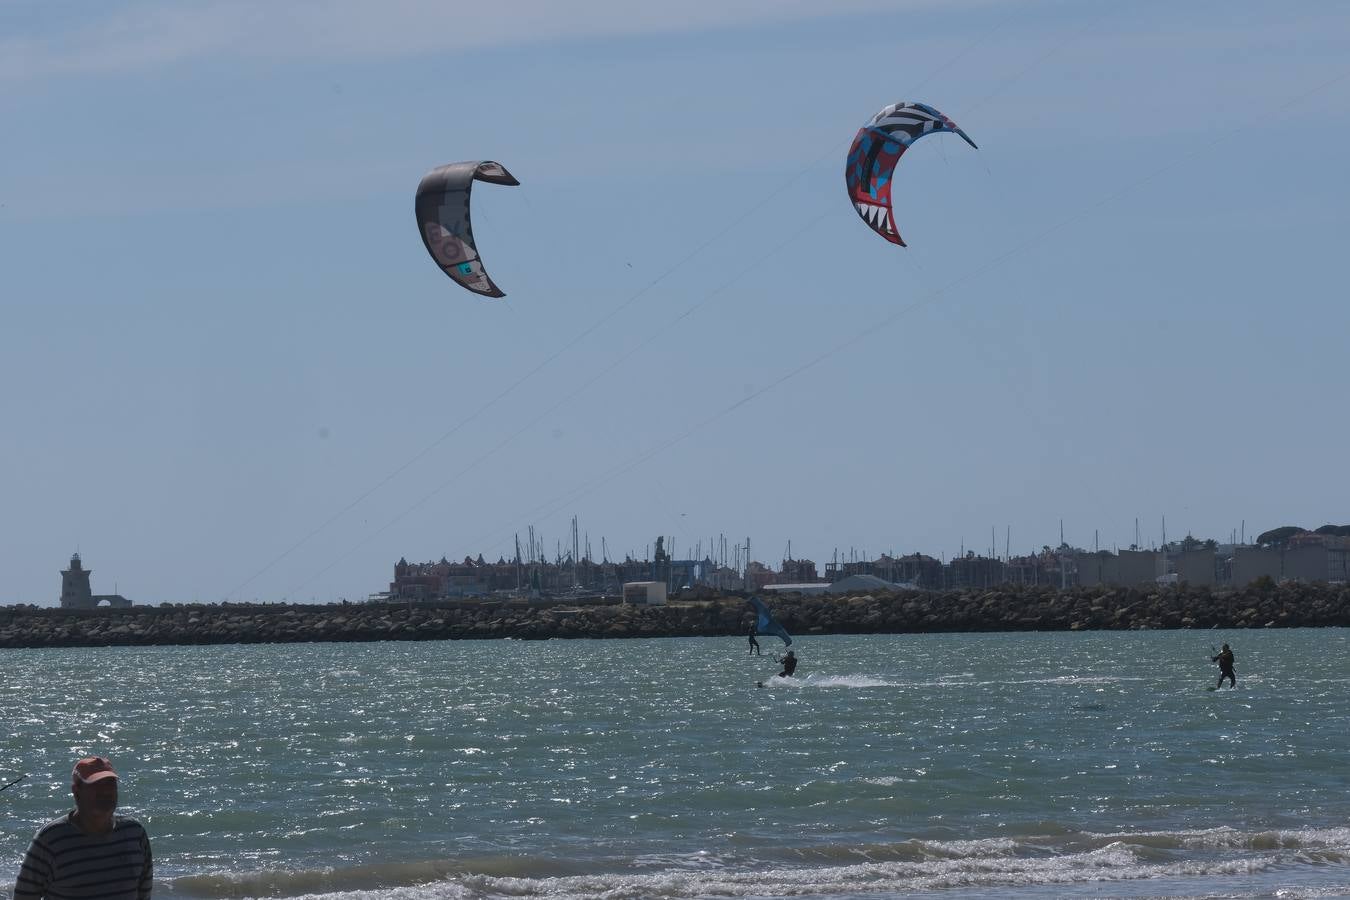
1017,765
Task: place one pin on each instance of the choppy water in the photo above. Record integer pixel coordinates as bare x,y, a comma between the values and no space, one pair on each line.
998,765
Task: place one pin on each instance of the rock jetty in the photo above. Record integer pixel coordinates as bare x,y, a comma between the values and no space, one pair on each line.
996,609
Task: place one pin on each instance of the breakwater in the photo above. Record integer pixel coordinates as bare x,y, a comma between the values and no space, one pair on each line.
997,609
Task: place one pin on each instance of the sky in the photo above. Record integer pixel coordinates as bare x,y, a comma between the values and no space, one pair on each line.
231,371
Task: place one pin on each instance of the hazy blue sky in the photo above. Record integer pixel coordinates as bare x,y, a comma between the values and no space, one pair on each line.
230,368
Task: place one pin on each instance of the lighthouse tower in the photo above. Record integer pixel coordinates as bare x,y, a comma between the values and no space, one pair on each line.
75,591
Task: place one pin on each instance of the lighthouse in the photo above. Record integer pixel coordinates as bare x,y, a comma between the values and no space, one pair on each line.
75,592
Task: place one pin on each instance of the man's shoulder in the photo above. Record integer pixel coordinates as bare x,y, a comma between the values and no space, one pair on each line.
56,827
121,823
61,827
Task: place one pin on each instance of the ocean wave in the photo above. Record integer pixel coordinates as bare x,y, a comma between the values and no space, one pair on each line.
1335,840
1061,859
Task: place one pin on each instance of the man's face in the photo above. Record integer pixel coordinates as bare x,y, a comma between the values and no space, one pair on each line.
99,797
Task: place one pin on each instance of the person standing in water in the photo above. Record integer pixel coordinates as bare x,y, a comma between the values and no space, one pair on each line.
1225,661
90,852
754,644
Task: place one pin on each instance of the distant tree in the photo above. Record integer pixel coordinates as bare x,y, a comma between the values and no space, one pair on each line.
1278,537
1334,530
1211,544
1189,543
1264,583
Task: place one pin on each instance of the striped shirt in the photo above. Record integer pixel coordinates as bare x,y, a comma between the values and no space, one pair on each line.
64,863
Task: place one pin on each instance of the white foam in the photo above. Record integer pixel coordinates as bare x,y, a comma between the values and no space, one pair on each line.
831,681
977,865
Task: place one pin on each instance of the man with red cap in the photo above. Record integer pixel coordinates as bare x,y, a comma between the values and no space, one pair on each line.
90,851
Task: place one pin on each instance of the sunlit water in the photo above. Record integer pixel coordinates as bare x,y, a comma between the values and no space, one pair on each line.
993,765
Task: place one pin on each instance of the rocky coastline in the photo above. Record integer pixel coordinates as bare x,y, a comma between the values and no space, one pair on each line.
998,609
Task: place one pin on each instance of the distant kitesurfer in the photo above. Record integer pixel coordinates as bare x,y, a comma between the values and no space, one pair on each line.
1225,661
754,644
789,665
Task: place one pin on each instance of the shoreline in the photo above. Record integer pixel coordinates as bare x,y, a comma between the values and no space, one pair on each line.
997,609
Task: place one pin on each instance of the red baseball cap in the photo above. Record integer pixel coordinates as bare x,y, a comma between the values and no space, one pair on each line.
92,769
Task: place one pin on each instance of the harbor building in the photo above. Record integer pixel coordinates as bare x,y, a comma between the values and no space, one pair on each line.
76,593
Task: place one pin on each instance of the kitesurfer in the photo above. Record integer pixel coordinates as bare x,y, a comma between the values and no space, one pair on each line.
1225,661
754,644
789,665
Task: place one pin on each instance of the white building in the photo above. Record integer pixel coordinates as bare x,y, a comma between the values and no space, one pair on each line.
645,593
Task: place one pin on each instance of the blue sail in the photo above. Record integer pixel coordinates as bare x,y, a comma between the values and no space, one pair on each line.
767,624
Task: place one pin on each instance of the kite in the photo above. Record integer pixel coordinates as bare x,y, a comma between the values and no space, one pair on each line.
442,208
874,154
767,624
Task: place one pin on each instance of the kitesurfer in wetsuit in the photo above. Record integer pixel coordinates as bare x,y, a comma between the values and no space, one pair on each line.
1225,661
754,644
789,665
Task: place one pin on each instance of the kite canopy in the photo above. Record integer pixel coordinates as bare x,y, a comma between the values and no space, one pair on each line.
767,624
443,219
877,148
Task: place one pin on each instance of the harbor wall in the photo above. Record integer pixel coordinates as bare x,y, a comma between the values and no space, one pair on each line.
1007,609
